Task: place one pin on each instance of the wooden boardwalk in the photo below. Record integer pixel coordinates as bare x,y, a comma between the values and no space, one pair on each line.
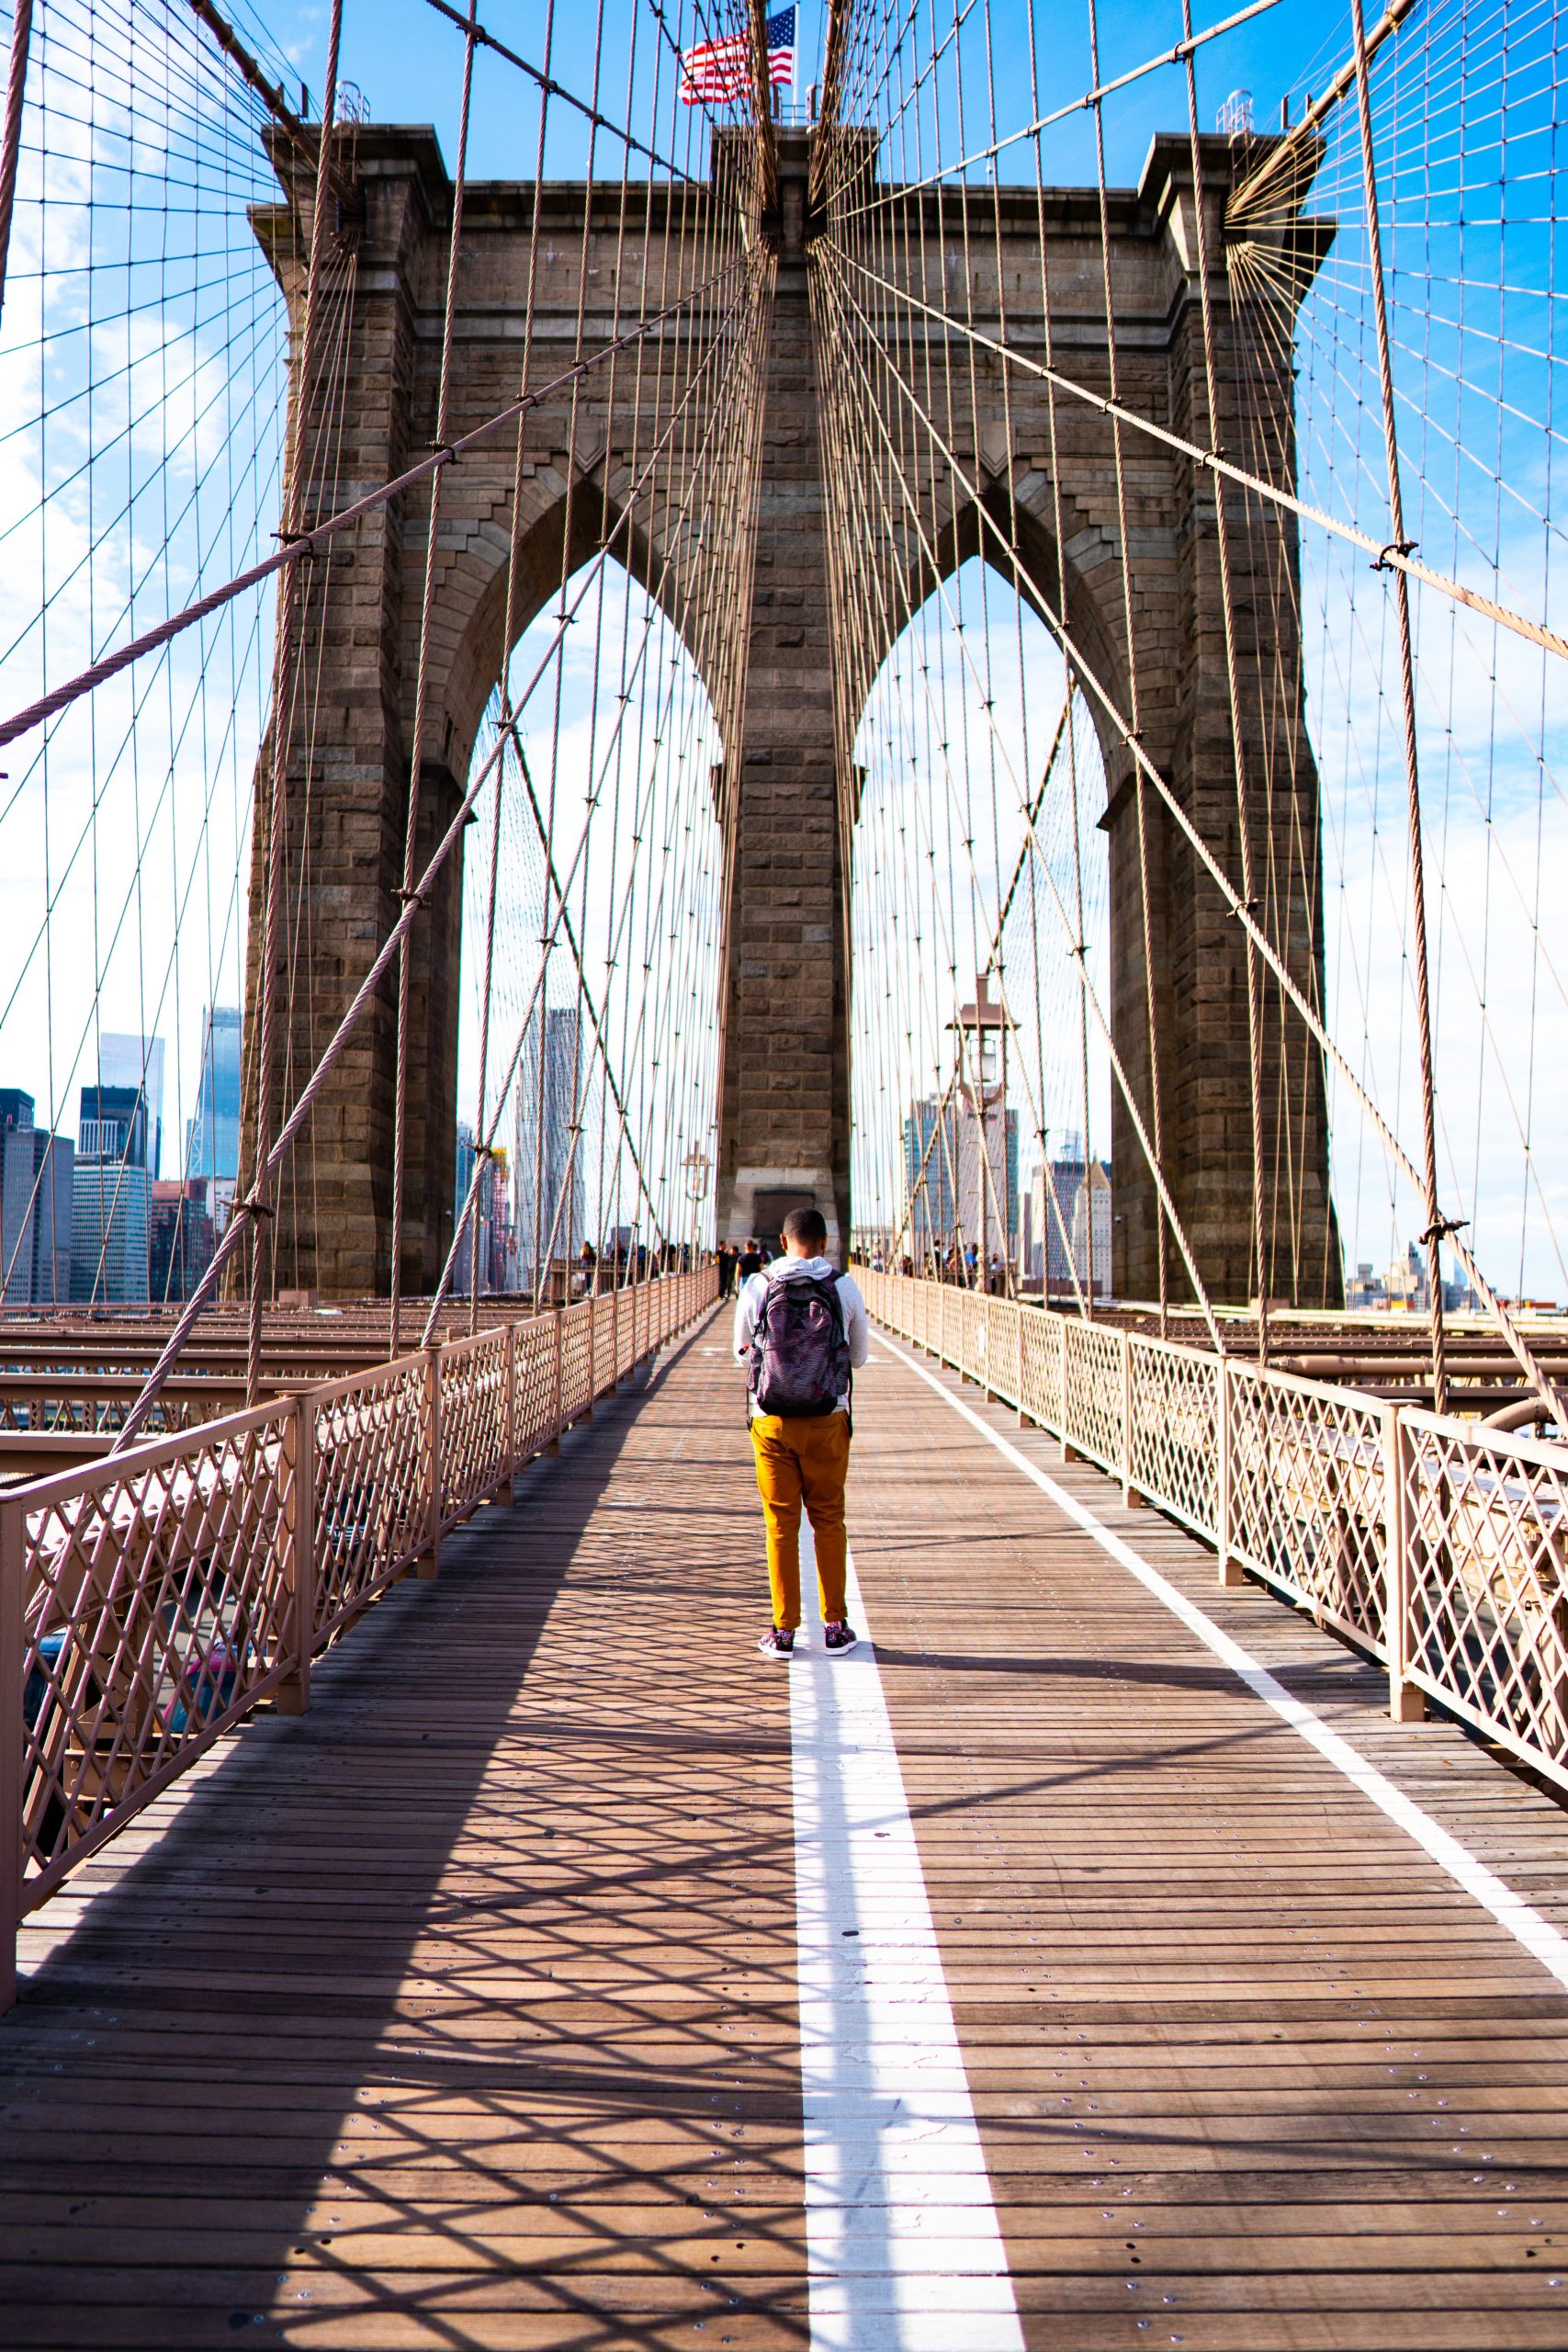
462,2012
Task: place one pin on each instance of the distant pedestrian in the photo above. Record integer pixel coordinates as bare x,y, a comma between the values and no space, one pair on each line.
801,1328
751,1261
726,1271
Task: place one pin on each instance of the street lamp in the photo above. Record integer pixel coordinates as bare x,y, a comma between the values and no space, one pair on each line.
697,1165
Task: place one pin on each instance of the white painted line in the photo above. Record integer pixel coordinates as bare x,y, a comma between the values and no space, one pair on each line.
1537,1936
904,2251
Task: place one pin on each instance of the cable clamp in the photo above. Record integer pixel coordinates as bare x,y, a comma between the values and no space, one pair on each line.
410,897
1443,1228
446,451
252,1205
1394,547
306,539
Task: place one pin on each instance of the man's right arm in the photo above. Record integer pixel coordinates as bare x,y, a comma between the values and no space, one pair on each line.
745,1315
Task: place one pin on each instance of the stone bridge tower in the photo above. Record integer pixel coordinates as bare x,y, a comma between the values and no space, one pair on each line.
784,1113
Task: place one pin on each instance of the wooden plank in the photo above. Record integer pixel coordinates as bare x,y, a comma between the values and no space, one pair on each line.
1194,1972
462,2009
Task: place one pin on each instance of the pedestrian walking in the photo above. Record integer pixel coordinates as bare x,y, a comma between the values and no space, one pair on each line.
751,1261
801,1328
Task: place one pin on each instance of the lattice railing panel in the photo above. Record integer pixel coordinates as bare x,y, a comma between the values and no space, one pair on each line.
157,1605
1000,1329
629,1329
1308,1499
1040,1343
1173,1439
1091,1399
576,1362
534,1378
1487,1605
966,1324
161,1588
1482,1570
474,1445
371,1513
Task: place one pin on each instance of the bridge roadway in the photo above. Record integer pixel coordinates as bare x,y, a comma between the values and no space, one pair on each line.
468,2010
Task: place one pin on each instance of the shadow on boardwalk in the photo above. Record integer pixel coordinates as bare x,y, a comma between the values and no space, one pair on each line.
373,2042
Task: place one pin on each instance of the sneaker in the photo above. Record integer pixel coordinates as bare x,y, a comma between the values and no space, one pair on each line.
778,1642
839,1635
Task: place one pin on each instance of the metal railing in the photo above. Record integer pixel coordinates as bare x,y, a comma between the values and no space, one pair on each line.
1440,1547
149,1601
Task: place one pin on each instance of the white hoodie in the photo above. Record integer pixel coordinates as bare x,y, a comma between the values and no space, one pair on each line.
857,1330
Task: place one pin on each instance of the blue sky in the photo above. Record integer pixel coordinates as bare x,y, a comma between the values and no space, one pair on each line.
407,62
1475,373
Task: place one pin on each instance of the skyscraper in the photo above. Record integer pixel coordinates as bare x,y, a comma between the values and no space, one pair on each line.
118,1138
112,1214
16,1132
952,1194
930,1161
548,1172
463,1263
36,1174
181,1240
1067,1205
137,1063
54,1190
113,1124
212,1135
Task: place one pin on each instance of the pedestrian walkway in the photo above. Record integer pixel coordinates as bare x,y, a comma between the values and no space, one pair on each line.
468,2010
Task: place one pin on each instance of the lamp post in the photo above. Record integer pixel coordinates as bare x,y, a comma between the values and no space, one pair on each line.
982,1030
697,1165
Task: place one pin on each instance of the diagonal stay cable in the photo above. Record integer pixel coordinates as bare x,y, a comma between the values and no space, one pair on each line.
314,540
1173,56
551,88
365,994
1385,558
1243,914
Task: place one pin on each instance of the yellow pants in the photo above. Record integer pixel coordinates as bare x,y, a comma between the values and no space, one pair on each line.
805,1460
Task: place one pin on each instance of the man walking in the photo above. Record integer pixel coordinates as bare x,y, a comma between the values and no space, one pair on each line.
801,1328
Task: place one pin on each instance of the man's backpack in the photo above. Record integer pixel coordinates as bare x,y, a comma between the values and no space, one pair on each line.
800,1351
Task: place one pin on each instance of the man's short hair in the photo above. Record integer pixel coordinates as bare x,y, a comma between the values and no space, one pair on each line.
806,1226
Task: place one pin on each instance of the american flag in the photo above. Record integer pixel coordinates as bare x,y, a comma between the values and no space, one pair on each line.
719,70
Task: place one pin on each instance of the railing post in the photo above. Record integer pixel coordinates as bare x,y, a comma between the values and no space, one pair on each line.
299,1549
1407,1704
12,1573
1230,1571
506,1492
592,1356
1128,1495
554,1447
1069,1453
429,1560
615,1333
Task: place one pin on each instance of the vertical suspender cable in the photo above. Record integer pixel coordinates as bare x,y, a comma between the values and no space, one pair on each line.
1436,1225
11,147
421,689
277,771
1134,719
1242,814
